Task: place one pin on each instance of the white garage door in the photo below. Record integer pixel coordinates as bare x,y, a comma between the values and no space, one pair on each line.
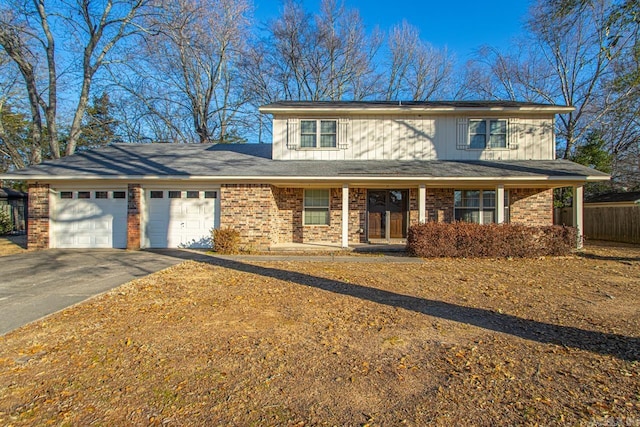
180,218
89,219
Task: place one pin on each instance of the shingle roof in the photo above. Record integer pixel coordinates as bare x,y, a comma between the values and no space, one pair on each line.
177,161
631,196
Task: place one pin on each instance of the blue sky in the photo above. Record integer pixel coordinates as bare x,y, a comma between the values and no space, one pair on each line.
461,25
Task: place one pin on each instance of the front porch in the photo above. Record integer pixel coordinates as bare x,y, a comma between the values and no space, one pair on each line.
327,218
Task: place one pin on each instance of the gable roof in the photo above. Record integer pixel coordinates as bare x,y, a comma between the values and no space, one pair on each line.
413,107
253,162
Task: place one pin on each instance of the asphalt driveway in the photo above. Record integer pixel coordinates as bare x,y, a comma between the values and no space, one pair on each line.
36,284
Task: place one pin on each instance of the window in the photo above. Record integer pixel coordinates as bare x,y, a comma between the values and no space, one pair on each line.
174,194
318,133
119,195
316,207
156,194
478,206
66,194
193,194
490,133
84,194
102,195
210,194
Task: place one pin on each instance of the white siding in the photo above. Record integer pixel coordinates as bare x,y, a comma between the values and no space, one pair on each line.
422,138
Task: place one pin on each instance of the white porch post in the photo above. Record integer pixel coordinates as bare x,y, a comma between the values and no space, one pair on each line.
422,204
578,194
345,215
500,204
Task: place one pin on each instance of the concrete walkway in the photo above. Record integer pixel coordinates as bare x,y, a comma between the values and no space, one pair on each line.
36,284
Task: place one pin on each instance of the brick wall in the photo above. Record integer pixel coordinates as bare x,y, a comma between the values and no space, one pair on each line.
439,204
289,214
357,215
38,216
531,206
331,233
414,211
250,209
134,207
290,206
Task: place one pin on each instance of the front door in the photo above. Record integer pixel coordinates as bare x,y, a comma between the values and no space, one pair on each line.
387,214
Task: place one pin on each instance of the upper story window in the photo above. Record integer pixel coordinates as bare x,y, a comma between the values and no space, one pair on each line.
487,133
318,133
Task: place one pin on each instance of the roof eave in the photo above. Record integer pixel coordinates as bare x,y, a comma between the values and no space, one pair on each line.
550,109
568,179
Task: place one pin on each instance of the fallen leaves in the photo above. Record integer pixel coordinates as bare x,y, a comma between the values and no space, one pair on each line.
212,345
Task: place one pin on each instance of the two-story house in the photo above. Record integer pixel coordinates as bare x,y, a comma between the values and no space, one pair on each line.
339,173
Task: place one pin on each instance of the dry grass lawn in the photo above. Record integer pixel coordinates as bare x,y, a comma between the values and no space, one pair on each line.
11,245
551,341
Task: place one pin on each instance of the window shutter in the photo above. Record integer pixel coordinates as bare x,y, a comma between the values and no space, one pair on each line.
513,132
343,133
462,141
293,133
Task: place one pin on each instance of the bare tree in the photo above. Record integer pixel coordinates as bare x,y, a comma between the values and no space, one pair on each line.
567,58
188,83
416,69
31,33
322,56
13,126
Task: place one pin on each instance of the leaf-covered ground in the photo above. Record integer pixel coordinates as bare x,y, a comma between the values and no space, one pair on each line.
551,341
12,245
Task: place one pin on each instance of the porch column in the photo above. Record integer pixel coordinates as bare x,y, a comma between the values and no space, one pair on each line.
578,194
500,204
345,215
422,202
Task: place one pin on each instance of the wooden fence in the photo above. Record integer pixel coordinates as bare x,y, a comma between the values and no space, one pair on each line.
616,224
619,224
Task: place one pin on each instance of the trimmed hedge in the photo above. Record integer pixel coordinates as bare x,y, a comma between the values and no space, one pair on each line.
468,240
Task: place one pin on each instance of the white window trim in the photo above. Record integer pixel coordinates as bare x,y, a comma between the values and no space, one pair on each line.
487,121
464,133
481,207
319,133
327,207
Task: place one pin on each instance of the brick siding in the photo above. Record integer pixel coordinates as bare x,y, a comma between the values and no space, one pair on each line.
531,206
414,210
134,207
357,215
290,208
250,209
38,216
439,204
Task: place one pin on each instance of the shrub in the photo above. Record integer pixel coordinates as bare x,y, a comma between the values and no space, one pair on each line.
6,225
226,240
461,239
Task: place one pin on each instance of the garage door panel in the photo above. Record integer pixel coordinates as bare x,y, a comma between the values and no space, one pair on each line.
187,221
89,223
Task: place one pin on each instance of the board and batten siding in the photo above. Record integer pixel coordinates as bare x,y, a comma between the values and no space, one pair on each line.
419,138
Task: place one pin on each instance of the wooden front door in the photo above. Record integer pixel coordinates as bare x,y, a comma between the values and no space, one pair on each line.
387,214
